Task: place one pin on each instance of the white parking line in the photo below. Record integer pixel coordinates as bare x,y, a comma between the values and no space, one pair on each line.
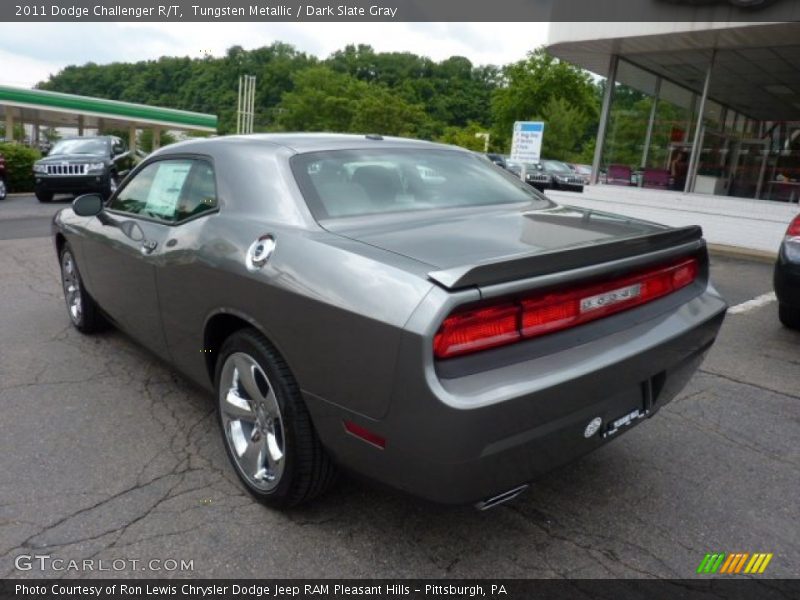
751,304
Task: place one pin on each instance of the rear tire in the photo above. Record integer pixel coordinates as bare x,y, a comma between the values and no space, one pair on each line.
790,317
83,311
3,189
266,428
44,196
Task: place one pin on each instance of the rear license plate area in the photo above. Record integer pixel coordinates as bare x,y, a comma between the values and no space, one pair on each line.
642,409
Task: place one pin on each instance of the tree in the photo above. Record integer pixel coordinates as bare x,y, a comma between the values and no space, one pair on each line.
145,141
322,100
465,136
528,85
564,128
380,111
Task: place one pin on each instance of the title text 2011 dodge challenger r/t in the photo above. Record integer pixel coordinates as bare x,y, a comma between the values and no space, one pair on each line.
402,309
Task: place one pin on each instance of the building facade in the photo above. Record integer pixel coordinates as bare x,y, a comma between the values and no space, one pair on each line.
704,107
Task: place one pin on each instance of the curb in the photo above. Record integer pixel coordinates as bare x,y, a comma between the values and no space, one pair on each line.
743,253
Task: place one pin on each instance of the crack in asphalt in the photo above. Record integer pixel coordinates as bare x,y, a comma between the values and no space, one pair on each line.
748,383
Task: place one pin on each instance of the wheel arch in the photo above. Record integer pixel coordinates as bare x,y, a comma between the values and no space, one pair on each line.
223,323
61,241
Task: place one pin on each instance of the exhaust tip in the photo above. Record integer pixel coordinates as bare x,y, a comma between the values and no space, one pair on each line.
501,498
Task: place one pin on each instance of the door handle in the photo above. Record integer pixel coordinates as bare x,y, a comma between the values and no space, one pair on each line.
148,246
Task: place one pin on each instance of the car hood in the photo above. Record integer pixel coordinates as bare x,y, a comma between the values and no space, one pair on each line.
449,238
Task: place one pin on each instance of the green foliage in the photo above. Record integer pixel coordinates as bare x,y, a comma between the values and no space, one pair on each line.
360,90
19,166
50,134
145,140
19,131
465,136
322,100
328,100
528,88
565,125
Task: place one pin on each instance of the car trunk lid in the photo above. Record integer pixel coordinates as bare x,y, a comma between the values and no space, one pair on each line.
480,247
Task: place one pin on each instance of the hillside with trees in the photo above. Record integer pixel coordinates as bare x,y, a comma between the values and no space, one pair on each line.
359,90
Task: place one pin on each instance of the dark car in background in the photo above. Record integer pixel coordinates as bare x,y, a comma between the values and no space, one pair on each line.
3,178
787,276
497,159
563,177
79,165
585,171
399,308
535,176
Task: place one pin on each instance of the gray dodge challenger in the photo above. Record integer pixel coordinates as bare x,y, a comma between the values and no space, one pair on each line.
396,308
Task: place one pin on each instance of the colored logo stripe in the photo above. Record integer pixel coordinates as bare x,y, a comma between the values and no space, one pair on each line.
758,563
720,562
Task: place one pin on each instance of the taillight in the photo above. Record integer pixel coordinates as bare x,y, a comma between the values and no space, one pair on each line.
478,329
794,228
467,331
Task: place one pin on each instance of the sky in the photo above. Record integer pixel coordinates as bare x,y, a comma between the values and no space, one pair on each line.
30,52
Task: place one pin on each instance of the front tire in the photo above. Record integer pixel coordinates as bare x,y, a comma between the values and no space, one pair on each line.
44,196
83,311
789,317
266,428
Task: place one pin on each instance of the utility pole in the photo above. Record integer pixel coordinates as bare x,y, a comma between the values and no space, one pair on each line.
246,104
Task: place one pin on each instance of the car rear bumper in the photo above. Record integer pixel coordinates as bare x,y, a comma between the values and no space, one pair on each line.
572,187
72,184
466,439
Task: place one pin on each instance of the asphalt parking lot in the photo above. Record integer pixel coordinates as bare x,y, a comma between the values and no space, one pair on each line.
107,454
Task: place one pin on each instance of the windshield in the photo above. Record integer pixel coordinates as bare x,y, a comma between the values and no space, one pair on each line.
347,183
556,166
80,146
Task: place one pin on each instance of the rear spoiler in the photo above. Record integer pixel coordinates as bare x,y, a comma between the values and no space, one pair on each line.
522,266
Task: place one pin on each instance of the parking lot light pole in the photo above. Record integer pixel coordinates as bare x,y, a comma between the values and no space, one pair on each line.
608,97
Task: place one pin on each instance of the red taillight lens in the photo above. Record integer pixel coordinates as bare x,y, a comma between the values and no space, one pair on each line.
478,329
794,228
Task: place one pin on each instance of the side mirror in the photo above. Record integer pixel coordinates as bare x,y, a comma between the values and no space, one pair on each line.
88,205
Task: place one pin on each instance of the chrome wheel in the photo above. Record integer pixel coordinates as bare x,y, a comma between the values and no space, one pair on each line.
251,420
72,288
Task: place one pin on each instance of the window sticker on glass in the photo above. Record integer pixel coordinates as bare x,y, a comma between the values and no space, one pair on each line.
166,188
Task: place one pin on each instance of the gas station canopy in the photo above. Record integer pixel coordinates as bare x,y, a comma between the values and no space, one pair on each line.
41,108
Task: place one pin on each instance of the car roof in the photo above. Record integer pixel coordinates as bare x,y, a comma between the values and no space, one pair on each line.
315,142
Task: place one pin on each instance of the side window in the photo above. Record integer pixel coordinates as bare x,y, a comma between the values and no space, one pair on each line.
155,190
199,193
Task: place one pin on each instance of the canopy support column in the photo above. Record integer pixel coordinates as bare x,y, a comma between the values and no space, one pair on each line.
608,97
694,158
649,135
9,124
